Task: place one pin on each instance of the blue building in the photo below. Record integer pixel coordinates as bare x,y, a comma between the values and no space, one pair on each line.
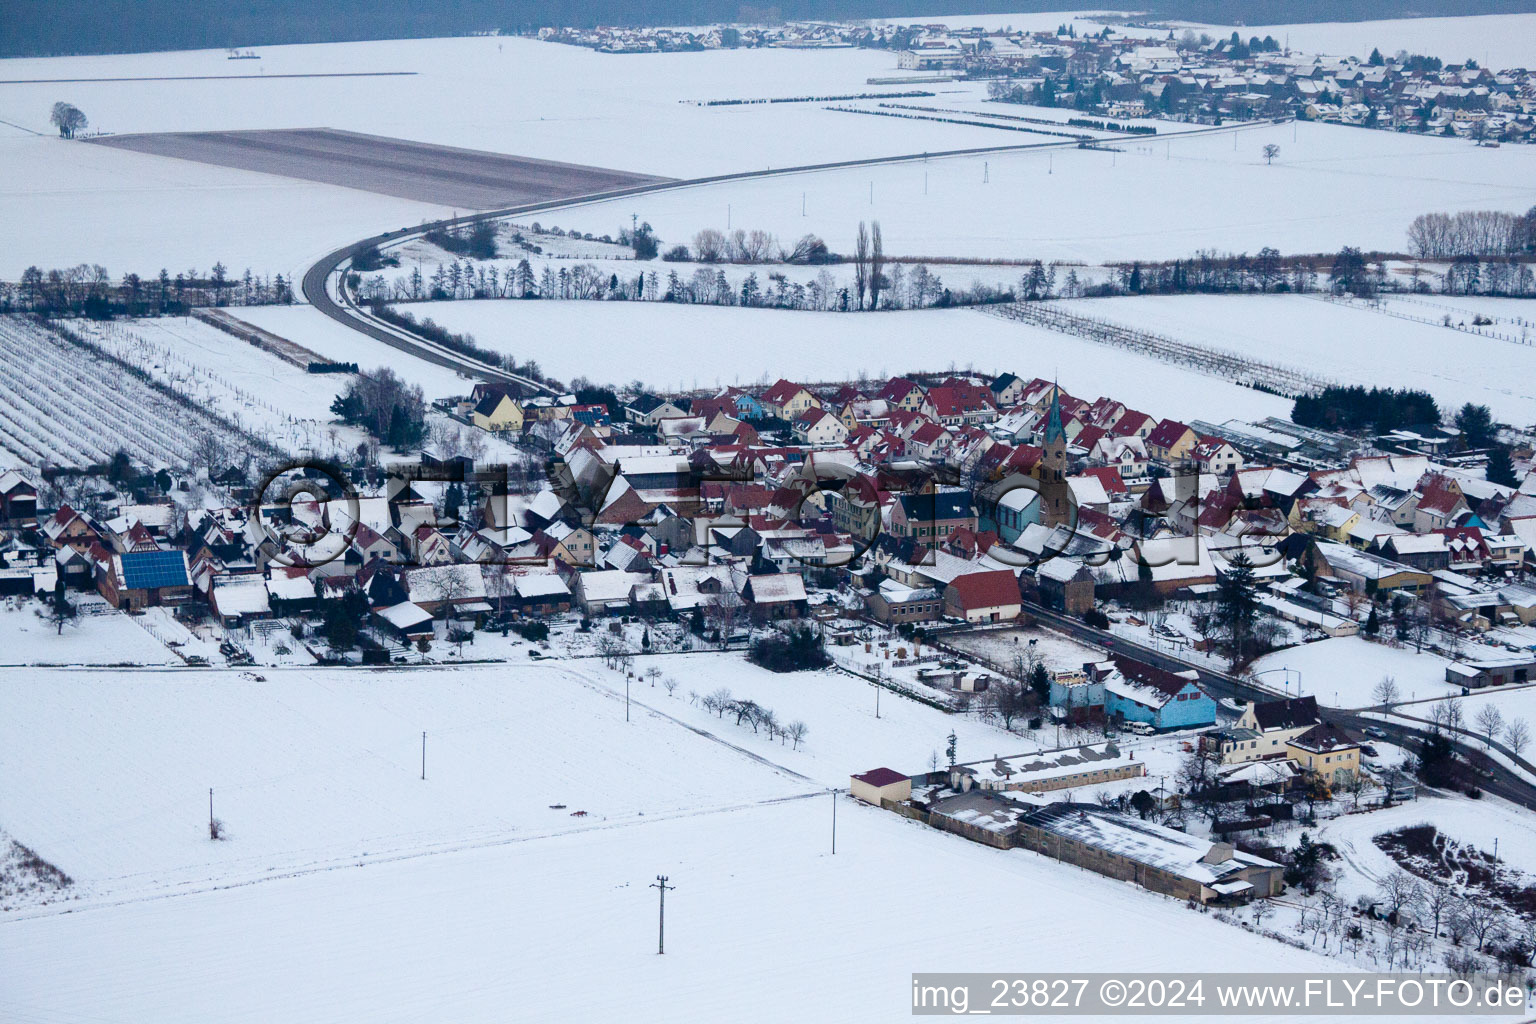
1163,700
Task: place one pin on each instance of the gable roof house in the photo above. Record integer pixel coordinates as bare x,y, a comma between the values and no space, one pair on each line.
18,500
1170,441
140,579
1165,700
988,596
497,410
817,426
932,514
786,399
645,410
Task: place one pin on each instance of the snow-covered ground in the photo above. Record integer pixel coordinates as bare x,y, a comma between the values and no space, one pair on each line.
1144,198
246,385
669,345
1355,343
1343,671
111,638
318,332
138,213
765,924
316,777
1494,41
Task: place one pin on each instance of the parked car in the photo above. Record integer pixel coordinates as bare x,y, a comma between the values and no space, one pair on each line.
1375,732
1368,750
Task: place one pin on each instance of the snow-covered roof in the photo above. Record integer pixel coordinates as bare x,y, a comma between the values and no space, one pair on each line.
241,595
545,584
405,615
1145,842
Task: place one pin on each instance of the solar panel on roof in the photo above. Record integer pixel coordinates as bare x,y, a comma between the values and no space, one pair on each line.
146,570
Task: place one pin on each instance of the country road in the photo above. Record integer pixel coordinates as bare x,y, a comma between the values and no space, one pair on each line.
322,289
1493,777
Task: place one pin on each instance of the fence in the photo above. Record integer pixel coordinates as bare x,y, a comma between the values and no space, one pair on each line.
1525,337
1214,362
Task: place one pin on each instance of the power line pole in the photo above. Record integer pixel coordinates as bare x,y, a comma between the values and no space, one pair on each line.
661,922
211,830
423,757
626,696
834,823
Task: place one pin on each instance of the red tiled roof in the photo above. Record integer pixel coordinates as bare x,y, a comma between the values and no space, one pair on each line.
986,589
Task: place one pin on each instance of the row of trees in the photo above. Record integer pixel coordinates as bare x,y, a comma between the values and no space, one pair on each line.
1472,233
1355,408
86,289
750,713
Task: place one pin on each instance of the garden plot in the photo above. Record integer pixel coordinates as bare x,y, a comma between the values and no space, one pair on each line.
690,347
1355,343
99,635
249,387
63,405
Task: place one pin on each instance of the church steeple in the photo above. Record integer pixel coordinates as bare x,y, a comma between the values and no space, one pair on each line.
1055,494
1054,431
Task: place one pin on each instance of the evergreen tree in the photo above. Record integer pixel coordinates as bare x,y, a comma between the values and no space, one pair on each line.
1501,468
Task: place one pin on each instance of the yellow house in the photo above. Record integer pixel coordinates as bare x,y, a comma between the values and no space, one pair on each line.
497,412
786,400
1328,752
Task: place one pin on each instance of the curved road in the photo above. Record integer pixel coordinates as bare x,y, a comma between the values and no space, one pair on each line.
1493,777
322,291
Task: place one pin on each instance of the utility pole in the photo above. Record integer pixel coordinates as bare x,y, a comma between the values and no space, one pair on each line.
802,204
626,696
210,811
727,216
423,757
986,172
834,824
661,923
871,193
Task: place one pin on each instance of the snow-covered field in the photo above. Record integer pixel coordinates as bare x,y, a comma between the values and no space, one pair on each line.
765,924
669,345
139,213
246,385
26,638
1342,671
316,331
1355,343
1149,198
62,404
1331,185
1494,40
489,889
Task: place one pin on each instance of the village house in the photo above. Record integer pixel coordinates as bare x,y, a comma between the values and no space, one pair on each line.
785,400
1164,700
987,596
496,409
932,515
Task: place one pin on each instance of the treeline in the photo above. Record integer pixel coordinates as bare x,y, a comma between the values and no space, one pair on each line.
318,367
1354,409
87,290
1472,233
384,405
913,94
742,246
1112,126
464,344
477,240
1211,272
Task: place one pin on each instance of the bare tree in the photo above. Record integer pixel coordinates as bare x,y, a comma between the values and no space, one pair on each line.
861,265
1386,691
876,266
652,674
1482,920
670,685
1400,891
1438,900
1516,735
68,119
724,612
719,701
1008,699
1490,723
797,730
1270,152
